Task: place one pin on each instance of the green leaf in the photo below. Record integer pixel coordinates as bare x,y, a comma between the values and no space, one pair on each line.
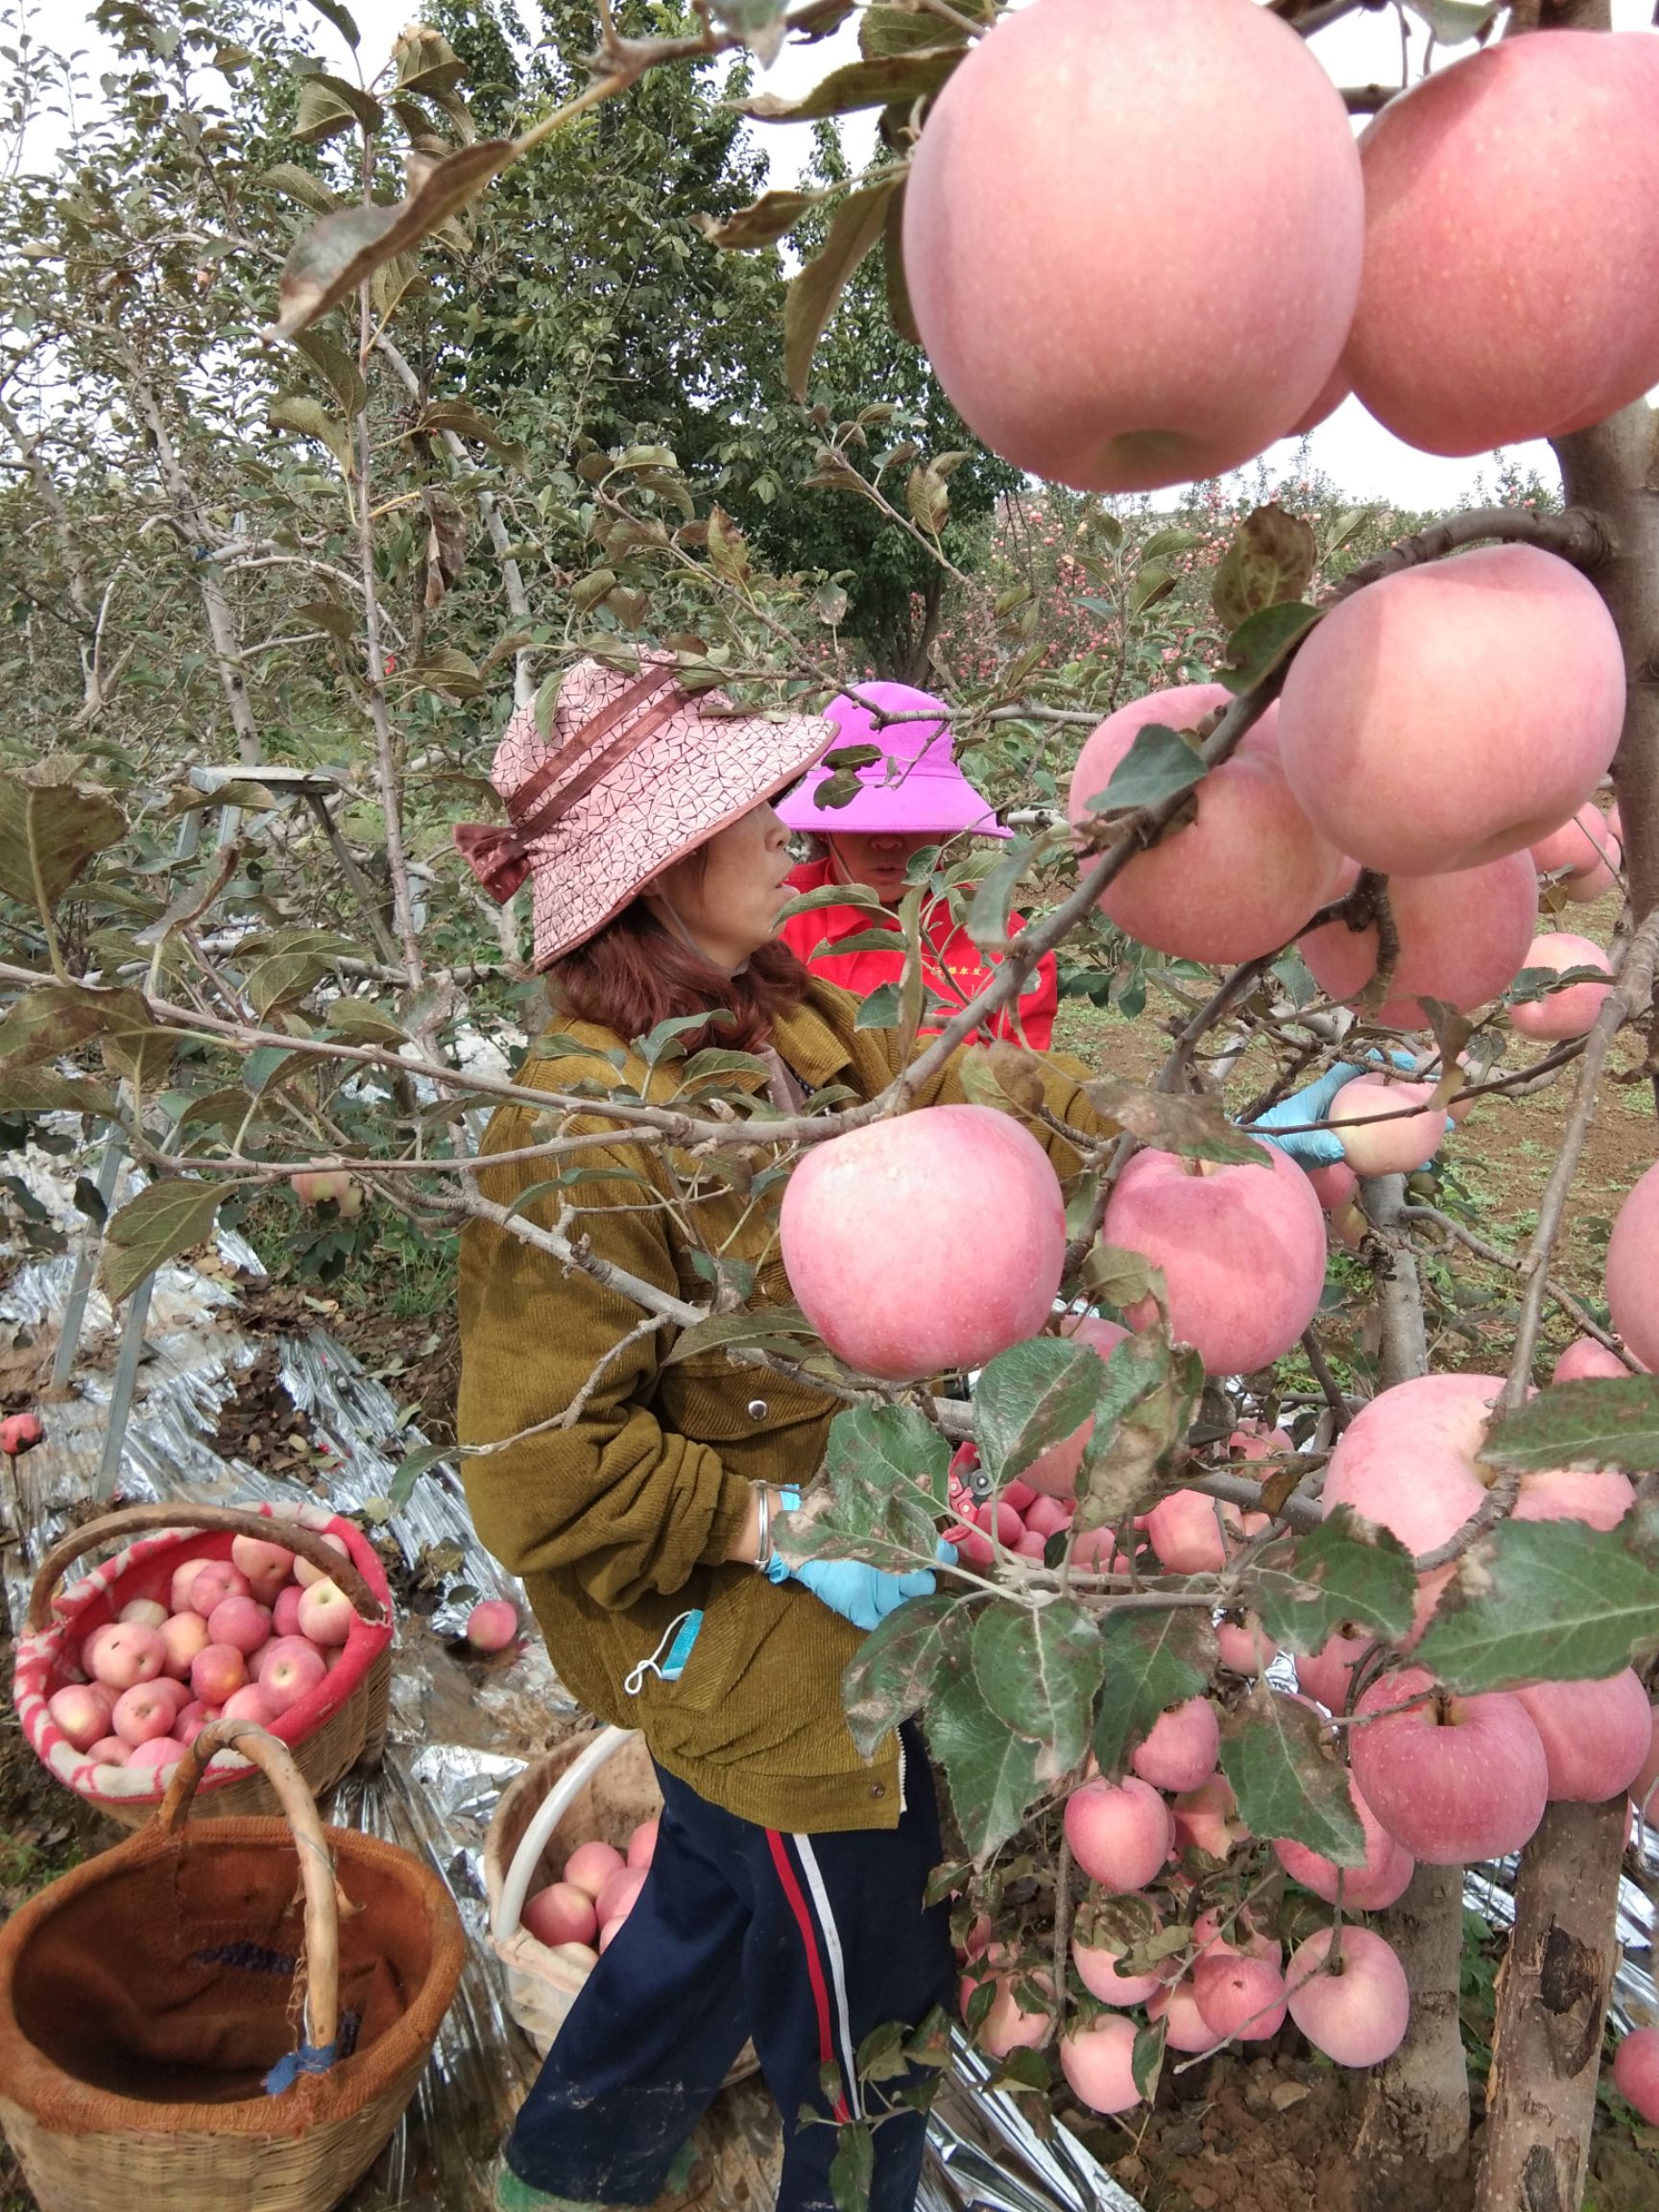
886,31
1271,560
991,1771
881,1009
28,1088
853,2166
464,420
1151,1661
1551,1599
53,1018
1144,1409
899,1668
1271,1752
340,15
1147,2057
297,183
447,670
994,898
900,311
296,411
1174,539
720,1331
290,971
337,369
337,255
364,1021
771,217
1031,1396
887,1481
410,1471
870,83
1455,21
1159,763
757,23
1610,1422
857,895
812,294
57,830
1346,1570
166,1219
1038,1671
328,105
1168,1121
1114,1277
1261,642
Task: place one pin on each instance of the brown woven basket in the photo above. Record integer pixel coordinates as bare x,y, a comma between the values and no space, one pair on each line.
146,1996
342,1725
617,1793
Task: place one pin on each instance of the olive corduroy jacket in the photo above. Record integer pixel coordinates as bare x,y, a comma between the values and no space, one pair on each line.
621,1522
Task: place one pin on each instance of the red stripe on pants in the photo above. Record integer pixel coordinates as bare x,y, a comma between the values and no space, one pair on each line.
792,1890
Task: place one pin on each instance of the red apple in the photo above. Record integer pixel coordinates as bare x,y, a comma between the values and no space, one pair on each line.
250,1703
643,1843
1098,2061
1053,1474
1453,1779
325,1613
1380,1138
1182,1748
1176,2005
561,1913
304,1573
329,1186
1356,2011
285,1611
1633,1270
1207,1818
620,1889
128,1653
217,1580
108,1752
1241,1997
493,1626
184,1635
217,1672
1118,1832
183,1582
1381,1882
591,1865
1462,937
1568,1013
240,1621
1636,2071
261,1561
1595,1735
1584,1358
1097,1970
82,1711
1008,2025
142,1713
290,1669
156,1754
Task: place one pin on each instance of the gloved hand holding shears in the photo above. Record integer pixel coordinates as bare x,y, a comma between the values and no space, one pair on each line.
1319,1148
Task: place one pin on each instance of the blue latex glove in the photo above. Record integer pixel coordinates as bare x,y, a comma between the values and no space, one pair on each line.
860,1594
1319,1148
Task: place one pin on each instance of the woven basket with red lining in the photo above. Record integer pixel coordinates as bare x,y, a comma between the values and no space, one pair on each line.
338,1725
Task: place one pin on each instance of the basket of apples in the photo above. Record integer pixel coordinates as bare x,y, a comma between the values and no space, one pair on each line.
205,1612
567,1854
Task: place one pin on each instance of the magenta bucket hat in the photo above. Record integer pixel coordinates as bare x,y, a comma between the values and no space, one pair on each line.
634,774
915,789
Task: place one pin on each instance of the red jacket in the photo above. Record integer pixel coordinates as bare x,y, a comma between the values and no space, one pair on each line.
955,967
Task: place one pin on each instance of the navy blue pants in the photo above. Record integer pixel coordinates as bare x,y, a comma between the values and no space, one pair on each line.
805,1944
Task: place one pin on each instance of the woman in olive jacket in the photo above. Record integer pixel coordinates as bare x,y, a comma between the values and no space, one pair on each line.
784,1900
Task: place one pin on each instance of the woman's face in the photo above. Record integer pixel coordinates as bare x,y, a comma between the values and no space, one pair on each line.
727,894
878,861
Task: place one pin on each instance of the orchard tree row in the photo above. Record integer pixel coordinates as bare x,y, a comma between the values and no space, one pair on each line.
1334,827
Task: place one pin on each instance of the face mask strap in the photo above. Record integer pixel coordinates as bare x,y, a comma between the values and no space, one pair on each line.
668,1661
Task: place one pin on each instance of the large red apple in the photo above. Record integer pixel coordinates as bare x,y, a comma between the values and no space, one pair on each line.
925,1241
1633,1270
1378,1135
1098,2062
1463,938
1584,1358
1453,712
1569,1013
1242,1251
1587,846
1595,1735
1119,1833
1452,1779
1103,308
1507,198
1240,880
1354,2012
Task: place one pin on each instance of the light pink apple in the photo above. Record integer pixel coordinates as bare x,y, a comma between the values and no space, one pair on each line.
1053,1474
218,1579
1379,1135
305,1573
146,1612
1636,2071
561,1913
1241,1997
1633,1277
1181,1748
1239,879
1333,1186
1098,1969
1241,1249
1176,2005
620,1889
608,1934
1244,1647
1453,1779
129,1653
156,1753
925,1241
261,1561
643,1843
1463,938
1097,2062
1185,1531
82,1711
1595,1735
1586,845
292,1673
1649,1774
90,1645
240,1621
1568,1013
325,1613
1356,2012
1326,1674
1388,715
142,1713
1008,2025
183,1582
1584,1358
1381,1882
108,1752
285,1610
250,1703
1207,1818
1119,1833
1047,1517
592,1864
217,1672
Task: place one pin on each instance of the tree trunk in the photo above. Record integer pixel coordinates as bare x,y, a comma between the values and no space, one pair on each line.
1414,2127
1552,2002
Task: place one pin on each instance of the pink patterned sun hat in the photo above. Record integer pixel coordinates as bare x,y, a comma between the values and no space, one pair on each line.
634,774
915,789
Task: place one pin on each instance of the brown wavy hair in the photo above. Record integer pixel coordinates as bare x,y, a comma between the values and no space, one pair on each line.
634,974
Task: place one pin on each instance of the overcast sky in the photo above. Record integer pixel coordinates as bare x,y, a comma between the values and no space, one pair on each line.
1358,453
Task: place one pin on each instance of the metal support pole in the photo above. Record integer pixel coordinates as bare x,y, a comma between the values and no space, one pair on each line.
81,1282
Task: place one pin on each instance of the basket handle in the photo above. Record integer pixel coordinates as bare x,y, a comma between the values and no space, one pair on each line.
510,1904
133,1520
322,1967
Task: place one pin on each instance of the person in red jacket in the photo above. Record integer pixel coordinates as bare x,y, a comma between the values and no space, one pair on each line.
914,796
